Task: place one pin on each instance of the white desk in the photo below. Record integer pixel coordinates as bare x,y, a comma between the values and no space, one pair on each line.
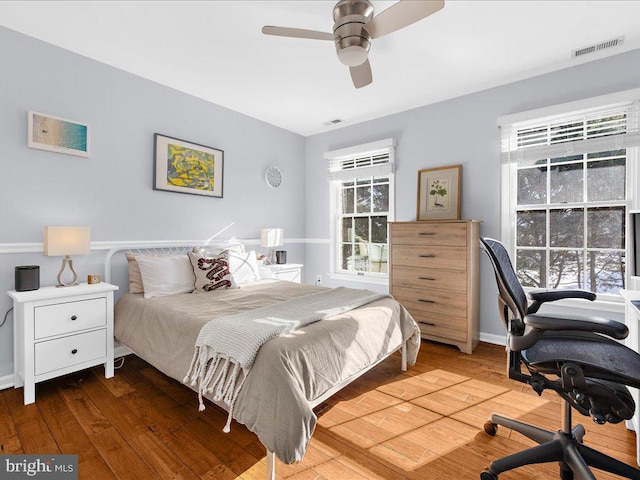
632,319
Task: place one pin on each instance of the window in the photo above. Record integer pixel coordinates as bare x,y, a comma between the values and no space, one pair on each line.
362,203
568,184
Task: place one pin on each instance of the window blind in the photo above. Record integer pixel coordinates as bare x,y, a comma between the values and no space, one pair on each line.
369,160
613,127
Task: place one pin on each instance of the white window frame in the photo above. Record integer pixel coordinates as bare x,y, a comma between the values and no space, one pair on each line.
335,190
510,156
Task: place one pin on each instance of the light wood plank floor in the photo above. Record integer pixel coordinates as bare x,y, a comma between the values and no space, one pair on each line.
422,424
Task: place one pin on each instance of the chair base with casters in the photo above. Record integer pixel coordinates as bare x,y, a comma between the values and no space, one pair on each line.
564,446
579,358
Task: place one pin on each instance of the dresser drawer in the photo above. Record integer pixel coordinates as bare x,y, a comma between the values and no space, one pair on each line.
442,326
433,301
69,317
454,281
454,258
59,353
431,233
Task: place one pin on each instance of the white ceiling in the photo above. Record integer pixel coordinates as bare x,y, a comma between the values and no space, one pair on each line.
215,50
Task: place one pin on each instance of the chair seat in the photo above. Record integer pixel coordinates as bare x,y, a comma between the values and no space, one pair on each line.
599,356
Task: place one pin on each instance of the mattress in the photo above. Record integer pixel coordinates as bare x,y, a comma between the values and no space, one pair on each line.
289,372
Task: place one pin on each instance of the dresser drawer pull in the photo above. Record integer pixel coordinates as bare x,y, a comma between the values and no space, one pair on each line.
428,324
74,317
427,255
426,233
74,351
427,278
426,301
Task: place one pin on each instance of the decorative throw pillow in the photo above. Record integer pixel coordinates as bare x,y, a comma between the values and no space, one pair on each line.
211,272
165,274
244,267
135,277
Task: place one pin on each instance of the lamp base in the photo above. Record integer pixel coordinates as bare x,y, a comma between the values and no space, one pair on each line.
66,261
270,259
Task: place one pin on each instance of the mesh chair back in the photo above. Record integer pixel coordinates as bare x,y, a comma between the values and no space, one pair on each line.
511,291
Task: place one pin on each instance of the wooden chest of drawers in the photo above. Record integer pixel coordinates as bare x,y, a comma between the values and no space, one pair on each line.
434,273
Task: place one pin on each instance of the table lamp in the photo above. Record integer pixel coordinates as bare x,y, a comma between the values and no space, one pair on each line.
66,241
271,238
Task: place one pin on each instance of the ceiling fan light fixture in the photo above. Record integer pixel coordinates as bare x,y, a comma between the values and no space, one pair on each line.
352,56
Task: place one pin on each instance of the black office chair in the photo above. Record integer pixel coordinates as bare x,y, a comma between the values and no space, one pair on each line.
586,367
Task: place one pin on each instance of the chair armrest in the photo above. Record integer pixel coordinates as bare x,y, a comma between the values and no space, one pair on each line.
552,295
611,328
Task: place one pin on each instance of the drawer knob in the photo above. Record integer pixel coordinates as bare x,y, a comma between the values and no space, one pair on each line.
426,278
428,255
426,301
74,351
74,317
426,233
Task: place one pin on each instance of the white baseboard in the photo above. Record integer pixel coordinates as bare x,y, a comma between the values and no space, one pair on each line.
495,339
7,381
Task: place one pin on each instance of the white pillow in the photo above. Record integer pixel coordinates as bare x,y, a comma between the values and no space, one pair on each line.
244,267
166,275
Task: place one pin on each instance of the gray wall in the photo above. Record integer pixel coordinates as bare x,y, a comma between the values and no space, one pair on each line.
462,130
111,191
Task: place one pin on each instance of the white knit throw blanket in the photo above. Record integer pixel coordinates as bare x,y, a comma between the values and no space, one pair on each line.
226,347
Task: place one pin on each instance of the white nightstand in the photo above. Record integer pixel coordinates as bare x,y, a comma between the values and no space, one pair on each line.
291,272
61,330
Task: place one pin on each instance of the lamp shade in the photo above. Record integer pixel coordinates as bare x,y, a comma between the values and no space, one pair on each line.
66,240
271,237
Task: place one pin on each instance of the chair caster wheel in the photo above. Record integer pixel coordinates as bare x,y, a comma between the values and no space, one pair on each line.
487,475
490,428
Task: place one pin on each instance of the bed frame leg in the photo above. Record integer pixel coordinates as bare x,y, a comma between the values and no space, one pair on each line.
271,466
404,357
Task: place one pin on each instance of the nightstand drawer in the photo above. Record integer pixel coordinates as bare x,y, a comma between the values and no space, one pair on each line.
61,318
67,351
288,275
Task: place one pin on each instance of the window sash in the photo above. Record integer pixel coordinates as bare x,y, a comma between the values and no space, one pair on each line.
534,143
340,214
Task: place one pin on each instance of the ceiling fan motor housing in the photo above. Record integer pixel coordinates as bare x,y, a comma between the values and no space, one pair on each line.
352,39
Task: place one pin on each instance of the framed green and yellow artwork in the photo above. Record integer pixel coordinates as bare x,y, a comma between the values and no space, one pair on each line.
187,167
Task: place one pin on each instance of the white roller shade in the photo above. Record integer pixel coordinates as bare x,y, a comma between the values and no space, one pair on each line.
611,127
368,160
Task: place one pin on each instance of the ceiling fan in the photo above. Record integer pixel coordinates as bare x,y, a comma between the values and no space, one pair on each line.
355,26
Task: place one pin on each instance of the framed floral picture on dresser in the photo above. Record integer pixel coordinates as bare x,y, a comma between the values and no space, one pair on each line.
439,193
187,167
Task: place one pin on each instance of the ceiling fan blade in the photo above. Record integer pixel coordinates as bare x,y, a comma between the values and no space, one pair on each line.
400,15
297,33
361,74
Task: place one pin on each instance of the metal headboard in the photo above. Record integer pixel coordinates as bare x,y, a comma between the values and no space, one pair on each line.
114,257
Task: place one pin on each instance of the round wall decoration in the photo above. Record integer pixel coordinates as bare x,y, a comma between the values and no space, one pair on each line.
273,176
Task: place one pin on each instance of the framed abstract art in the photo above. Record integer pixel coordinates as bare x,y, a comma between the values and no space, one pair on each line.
187,167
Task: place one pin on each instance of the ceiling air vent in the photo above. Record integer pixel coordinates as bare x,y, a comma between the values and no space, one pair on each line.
335,121
596,47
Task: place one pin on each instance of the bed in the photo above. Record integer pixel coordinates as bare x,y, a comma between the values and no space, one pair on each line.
291,374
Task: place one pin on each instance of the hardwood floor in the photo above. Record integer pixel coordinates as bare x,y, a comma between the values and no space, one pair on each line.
422,424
